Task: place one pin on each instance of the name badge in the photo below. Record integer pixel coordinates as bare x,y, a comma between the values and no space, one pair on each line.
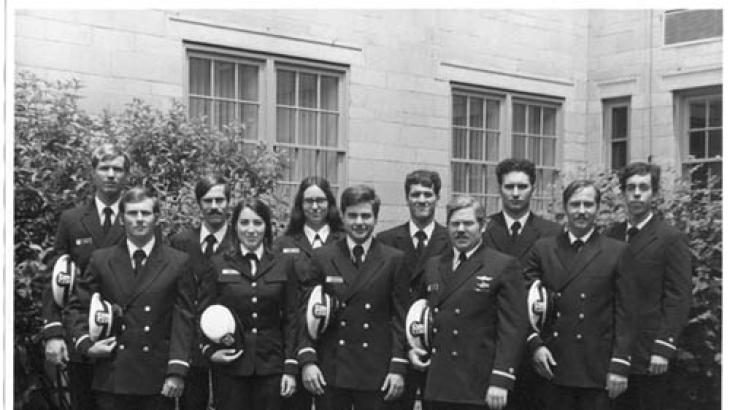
483,283
230,272
334,279
291,250
83,241
432,287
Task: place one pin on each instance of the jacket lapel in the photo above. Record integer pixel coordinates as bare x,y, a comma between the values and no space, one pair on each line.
301,242
369,269
154,266
90,220
344,266
444,273
120,264
267,261
581,259
497,231
644,237
463,273
527,238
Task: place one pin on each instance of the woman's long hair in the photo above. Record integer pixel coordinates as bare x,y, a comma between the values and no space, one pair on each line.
263,211
297,220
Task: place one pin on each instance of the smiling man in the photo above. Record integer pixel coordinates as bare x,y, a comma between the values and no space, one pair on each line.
359,361
663,269
585,351
142,367
477,299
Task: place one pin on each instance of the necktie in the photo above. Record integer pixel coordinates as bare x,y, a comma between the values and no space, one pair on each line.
253,260
631,233
317,242
138,257
421,245
577,245
209,243
357,252
462,259
107,219
515,229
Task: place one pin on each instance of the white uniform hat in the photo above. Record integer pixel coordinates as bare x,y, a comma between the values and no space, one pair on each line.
321,308
419,325
63,279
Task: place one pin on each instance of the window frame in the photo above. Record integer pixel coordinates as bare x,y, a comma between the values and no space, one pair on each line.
684,98
608,106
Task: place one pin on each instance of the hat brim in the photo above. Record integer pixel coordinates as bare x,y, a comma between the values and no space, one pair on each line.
418,325
63,279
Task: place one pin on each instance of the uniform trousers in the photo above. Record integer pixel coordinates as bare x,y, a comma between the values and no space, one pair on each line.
576,398
335,398
300,400
528,392
440,405
247,392
414,380
645,392
196,392
79,385
112,401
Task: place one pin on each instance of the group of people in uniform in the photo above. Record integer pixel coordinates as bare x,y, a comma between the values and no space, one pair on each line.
226,315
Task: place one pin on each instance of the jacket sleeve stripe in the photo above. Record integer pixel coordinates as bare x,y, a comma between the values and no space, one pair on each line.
504,374
667,344
621,361
180,362
81,339
51,324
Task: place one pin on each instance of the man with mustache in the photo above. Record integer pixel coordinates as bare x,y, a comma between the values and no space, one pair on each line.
359,361
212,237
513,231
420,238
663,269
585,349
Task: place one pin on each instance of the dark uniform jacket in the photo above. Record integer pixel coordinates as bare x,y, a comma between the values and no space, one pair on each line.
663,269
157,306
365,340
399,237
188,241
594,290
479,325
498,236
79,233
298,248
266,305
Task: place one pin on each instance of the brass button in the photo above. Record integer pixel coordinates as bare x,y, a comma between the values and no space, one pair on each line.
147,308
367,306
341,342
433,350
456,332
254,284
147,329
254,315
365,345
581,316
555,334
343,323
457,311
366,326
454,354
121,347
254,331
582,295
435,310
145,349
579,336
254,299
124,327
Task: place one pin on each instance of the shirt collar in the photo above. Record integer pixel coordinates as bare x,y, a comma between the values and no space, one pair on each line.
508,220
468,254
100,209
259,251
323,233
572,238
365,246
219,235
641,224
147,248
428,230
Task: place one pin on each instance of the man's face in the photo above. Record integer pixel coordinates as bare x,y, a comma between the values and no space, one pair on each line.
638,196
516,191
359,221
581,210
140,220
422,203
464,229
109,177
213,207
315,205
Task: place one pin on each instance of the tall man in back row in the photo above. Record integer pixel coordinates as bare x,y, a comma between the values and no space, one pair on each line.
663,270
420,238
513,231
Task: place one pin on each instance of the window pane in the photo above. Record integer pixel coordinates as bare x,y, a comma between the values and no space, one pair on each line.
476,112
619,122
518,118
715,113
290,172
329,165
250,119
548,152
492,146
285,125
533,150
714,144
476,179
308,90
225,114
459,144
329,93
697,115
476,145
492,115
458,176
518,146
534,120
618,154
307,162
224,79
308,128
329,130
285,87
459,110
548,121
199,107
697,144
248,82
491,181
199,76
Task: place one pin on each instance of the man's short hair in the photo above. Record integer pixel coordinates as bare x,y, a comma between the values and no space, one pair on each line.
515,165
209,181
640,168
430,179
107,152
578,184
462,202
138,194
358,194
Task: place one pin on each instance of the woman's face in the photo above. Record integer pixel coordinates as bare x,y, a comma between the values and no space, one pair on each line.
250,228
315,205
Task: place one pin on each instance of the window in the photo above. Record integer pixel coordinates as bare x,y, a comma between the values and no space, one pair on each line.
490,125
702,137
616,126
689,25
295,107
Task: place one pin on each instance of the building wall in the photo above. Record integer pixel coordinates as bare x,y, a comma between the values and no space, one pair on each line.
401,65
